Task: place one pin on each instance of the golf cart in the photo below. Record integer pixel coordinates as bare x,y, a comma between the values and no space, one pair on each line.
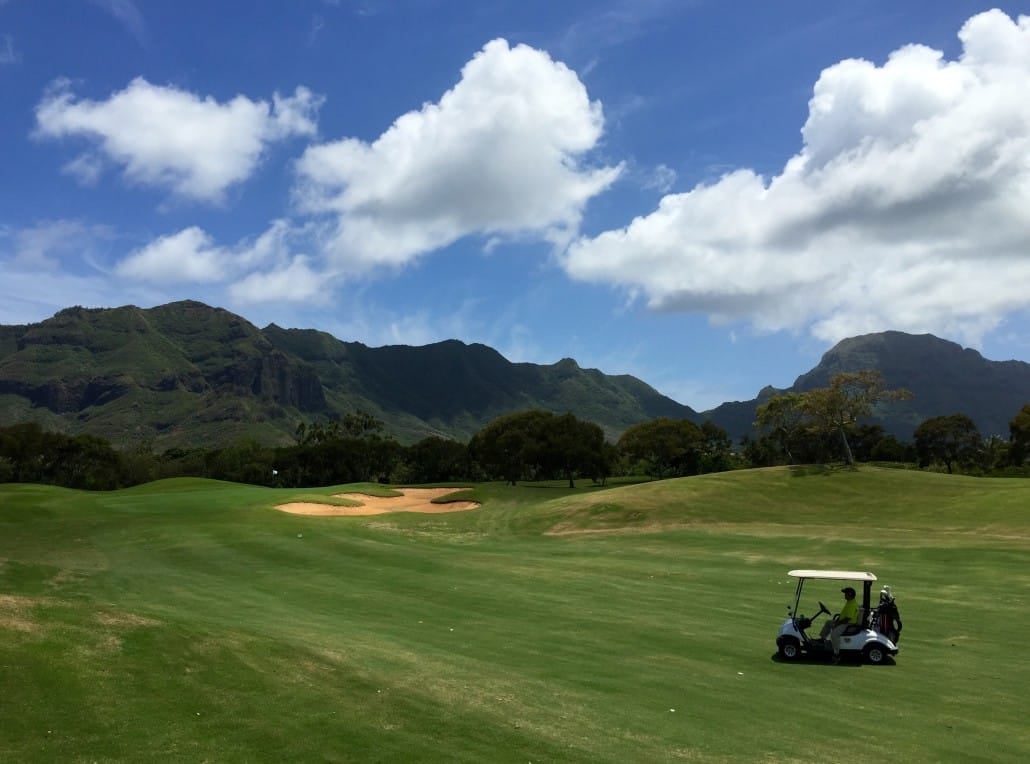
874,638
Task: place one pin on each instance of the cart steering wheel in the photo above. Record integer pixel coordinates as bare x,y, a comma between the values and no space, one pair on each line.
823,609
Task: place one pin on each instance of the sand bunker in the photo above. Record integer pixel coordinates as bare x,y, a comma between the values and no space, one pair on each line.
410,500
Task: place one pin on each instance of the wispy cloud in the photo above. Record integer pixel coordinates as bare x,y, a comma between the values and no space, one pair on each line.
358,7
128,15
317,25
50,245
8,54
614,23
661,178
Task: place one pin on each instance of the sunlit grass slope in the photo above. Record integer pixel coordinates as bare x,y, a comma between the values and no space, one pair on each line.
191,621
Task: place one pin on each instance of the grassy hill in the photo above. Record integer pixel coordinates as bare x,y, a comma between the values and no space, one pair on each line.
189,620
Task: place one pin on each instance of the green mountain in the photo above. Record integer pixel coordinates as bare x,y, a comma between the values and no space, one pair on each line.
944,377
185,374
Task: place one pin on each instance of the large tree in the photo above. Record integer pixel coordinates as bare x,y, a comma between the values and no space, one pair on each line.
850,396
571,447
716,448
436,460
664,445
783,418
951,439
539,444
1019,436
509,446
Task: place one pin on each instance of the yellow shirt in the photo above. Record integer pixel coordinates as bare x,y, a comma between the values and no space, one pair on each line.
849,613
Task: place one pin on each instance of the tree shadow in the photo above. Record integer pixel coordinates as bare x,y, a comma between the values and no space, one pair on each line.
808,470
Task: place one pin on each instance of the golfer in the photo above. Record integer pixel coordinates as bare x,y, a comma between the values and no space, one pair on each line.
835,629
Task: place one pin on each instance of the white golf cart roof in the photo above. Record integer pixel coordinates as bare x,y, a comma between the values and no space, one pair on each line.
838,575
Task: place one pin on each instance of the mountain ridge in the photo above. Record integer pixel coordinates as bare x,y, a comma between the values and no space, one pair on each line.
185,374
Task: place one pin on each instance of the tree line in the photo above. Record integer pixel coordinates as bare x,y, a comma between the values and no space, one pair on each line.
818,426
824,424
525,446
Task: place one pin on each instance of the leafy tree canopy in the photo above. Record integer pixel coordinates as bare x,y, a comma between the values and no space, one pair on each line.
665,445
1019,436
833,410
952,439
539,443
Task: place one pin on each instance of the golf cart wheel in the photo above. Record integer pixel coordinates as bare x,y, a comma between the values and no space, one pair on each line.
790,649
875,654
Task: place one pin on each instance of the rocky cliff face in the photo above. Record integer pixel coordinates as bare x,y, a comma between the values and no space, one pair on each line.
67,396
155,366
286,382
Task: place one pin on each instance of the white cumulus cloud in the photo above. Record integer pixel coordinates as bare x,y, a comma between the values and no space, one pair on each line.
170,138
187,256
499,154
296,282
255,269
907,206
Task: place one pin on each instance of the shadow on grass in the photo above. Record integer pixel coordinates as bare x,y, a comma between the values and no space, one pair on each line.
582,483
824,662
808,470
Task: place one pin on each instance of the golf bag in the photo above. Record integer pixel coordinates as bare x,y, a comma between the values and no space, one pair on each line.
886,618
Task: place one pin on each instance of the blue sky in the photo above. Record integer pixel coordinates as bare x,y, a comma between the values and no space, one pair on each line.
706,195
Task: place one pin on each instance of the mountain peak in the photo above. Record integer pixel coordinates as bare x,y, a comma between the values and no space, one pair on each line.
944,377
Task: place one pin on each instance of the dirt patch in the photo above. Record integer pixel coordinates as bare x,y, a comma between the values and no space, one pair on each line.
15,613
125,620
410,500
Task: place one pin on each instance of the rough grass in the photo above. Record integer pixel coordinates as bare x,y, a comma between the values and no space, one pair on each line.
188,621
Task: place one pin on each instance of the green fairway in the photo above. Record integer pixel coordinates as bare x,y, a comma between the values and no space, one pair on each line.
189,620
